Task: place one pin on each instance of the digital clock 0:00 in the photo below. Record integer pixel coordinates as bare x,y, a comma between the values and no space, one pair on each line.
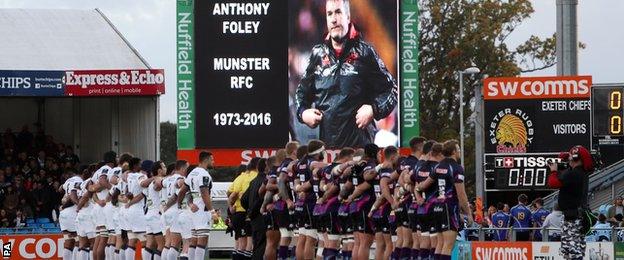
238,119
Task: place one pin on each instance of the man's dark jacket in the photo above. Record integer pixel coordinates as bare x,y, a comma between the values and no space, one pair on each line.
339,85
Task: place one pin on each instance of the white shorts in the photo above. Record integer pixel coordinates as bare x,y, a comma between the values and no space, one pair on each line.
182,224
136,219
110,213
153,223
85,226
99,215
121,219
67,219
169,217
202,220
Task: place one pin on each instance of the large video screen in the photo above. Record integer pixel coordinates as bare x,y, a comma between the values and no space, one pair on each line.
272,71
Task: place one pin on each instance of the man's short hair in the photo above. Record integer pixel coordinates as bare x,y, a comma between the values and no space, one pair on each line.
371,150
346,152
253,163
204,155
180,164
500,206
523,198
271,161
302,151
427,146
291,147
135,161
110,157
390,151
346,4
449,147
124,158
314,145
416,143
436,149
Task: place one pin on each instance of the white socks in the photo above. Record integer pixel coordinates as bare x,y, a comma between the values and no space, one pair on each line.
129,253
200,253
172,254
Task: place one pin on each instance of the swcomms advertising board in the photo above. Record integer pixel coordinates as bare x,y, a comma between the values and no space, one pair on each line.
526,117
253,75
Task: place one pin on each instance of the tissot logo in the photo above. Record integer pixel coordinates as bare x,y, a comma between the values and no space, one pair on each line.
504,162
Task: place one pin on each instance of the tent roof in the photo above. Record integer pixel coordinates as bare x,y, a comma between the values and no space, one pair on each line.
38,39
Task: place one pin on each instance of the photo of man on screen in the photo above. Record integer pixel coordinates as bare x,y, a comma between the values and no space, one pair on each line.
346,85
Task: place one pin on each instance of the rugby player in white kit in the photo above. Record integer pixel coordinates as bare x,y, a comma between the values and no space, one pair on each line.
135,213
85,226
180,229
101,212
155,240
67,217
199,183
170,209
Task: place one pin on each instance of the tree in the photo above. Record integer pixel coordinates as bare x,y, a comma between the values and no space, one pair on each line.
457,34
168,142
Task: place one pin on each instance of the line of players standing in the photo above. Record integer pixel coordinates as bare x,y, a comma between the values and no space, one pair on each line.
337,210
108,208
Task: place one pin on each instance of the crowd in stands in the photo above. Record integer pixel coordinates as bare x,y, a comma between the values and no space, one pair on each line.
32,167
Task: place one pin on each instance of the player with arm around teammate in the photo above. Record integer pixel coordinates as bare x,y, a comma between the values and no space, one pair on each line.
451,198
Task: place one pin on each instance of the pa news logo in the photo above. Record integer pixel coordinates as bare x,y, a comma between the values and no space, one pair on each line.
6,249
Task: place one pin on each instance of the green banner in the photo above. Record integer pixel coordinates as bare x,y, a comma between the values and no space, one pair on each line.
618,249
185,70
408,68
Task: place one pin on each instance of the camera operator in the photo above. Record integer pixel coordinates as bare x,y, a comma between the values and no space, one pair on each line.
573,185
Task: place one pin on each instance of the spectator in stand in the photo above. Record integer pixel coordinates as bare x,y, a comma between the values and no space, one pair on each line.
602,230
538,217
506,208
69,158
615,210
41,158
20,219
11,199
501,219
521,216
5,219
26,208
553,223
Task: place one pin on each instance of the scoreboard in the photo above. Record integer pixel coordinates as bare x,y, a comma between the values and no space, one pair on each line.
528,121
607,114
518,171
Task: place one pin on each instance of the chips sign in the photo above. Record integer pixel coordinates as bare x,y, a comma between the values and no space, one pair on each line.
528,115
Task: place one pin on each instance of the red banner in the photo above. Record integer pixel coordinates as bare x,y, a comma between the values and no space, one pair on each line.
114,82
33,246
537,87
502,250
236,157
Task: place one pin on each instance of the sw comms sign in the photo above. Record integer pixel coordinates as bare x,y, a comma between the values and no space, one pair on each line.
526,117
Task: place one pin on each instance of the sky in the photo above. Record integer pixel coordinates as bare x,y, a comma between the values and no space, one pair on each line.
149,26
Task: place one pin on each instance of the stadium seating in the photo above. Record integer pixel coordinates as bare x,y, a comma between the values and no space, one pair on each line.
30,221
48,225
42,220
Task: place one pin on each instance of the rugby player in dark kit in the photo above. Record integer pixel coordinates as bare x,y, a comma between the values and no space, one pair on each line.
448,177
422,220
329,203
306,199
345,85
384,185
362,199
